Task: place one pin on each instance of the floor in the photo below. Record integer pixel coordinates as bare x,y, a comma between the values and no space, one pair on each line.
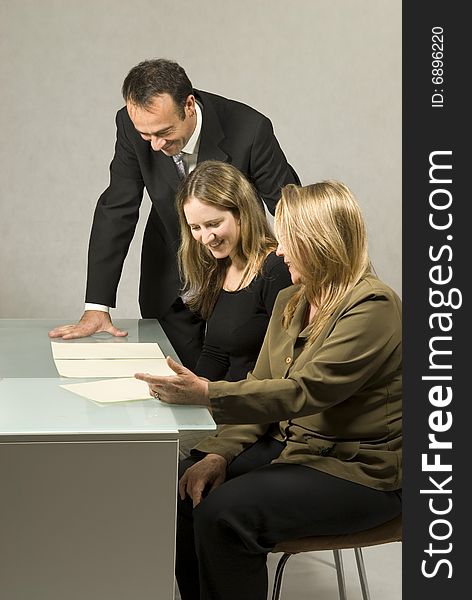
312,576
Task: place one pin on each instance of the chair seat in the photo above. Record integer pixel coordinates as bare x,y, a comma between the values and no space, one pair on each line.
383,534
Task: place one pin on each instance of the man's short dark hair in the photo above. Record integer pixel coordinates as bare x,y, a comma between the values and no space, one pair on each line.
152,78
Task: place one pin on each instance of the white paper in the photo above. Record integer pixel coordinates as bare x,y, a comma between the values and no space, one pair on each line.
113,368
111,390
111,350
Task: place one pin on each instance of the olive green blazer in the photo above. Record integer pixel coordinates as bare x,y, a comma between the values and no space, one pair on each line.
337,403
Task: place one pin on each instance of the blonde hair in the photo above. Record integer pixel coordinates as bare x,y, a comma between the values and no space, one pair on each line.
323,232
222,185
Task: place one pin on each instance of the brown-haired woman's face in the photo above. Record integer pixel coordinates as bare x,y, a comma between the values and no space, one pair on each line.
216,228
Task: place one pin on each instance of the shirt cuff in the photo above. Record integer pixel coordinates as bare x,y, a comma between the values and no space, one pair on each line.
101,307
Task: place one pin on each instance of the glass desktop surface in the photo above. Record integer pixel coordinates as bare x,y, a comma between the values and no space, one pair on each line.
25,348
40,406
33,403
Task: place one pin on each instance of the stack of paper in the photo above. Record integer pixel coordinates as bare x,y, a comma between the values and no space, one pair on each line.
108,359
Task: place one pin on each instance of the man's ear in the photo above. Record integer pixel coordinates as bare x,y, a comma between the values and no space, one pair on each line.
189,107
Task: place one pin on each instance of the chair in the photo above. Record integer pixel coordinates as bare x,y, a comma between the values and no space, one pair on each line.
383,534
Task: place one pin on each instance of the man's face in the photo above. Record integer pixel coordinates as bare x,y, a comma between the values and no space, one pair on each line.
161,124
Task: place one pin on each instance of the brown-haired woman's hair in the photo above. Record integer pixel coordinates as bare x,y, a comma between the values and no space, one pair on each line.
322,230
224,186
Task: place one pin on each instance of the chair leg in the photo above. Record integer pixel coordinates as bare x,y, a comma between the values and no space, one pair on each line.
278,576
338,559
362,574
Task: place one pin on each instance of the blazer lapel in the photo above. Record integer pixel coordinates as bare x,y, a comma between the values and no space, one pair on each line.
169,170
211,140
212,135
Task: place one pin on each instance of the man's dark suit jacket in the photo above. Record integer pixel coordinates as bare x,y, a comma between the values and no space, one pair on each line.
231,132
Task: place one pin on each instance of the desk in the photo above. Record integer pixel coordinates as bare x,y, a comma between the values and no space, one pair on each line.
87,491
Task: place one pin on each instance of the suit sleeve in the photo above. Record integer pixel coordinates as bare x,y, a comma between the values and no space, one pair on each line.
114,222
269,169
359,344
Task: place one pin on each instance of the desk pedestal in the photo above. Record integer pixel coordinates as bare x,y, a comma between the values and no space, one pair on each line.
80,519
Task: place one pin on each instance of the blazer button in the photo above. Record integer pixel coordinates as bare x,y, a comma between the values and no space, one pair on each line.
288,360
326,451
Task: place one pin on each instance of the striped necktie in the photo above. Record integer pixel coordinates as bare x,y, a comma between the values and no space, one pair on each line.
179,163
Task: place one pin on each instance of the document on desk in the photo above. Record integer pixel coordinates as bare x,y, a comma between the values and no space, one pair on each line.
107,350
111,390
108,359
117,367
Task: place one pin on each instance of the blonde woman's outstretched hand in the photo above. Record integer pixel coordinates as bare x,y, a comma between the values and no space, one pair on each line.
182,388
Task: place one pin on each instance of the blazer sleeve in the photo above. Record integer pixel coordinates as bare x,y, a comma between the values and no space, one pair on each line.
114,221
361,341
230,440
269,169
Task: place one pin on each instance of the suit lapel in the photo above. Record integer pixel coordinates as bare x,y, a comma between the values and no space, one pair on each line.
169,170
212,135
211,141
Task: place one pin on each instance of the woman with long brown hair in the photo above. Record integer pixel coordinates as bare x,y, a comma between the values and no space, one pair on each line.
231,275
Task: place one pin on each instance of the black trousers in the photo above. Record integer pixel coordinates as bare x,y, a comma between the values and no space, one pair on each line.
222,544
159,288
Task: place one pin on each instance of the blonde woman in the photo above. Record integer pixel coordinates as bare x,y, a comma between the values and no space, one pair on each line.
313,439
229,268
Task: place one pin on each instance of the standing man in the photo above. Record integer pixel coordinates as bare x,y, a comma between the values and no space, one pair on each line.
165,129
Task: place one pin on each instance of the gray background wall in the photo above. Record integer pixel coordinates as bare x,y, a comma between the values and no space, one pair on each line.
328,74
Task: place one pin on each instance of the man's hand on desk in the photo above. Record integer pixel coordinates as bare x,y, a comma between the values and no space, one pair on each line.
210,471
92,321
182,388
